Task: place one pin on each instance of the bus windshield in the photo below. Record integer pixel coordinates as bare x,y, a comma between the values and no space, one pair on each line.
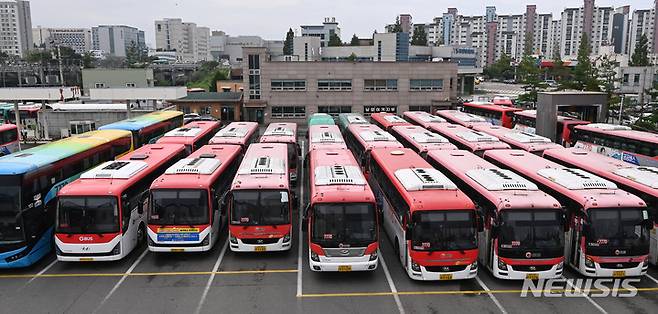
87,215
337,225
260,207
10,219
443,231
538,231
179,207
621,229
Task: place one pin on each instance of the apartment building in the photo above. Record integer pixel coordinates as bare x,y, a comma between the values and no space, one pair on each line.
293,90
115,40
16,30
324,31
78,39
190,42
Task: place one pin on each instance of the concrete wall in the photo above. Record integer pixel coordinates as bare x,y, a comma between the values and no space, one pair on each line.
547,105
116,78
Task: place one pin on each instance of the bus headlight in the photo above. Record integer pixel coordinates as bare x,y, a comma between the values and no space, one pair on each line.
646,262
373,256
232,238
206,241
589,262
560,265
315,257
150,241
117,249
474,265
286,238
415,267
502,265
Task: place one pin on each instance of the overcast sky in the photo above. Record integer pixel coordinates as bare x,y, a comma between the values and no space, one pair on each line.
272,18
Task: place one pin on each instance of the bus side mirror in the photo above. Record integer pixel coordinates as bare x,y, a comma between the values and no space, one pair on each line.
495,230
648,224
587,232
408,233
140,206
565,223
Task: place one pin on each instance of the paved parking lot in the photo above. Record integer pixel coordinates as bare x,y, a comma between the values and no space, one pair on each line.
220,281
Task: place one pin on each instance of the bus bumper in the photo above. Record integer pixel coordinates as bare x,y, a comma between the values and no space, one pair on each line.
25,257
237,245
180,246
510,274
426,275
343,264
637,269
90,252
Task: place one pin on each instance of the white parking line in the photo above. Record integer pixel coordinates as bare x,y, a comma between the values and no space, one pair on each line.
212,277
491,296
391,285
45,269
652,279
116,286
300,233
596,305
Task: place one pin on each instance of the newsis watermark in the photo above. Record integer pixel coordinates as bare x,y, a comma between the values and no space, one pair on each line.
592,287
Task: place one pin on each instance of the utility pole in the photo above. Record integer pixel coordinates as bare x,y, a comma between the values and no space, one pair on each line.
17,115
621,107
61,72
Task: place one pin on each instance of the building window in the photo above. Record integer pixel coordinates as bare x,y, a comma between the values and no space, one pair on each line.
185,109
334,85
426,85
99,85
288,85
282,112
424,108
625,81
380,85
636,80
79,127
368,110
131,85
334,110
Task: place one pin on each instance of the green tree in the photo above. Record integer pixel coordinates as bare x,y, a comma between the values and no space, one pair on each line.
640,55
352,57
288,43
584,76
420,37
606,75
334,40
354,41
559,72
528,45
501,69
397,27
530,74
88,60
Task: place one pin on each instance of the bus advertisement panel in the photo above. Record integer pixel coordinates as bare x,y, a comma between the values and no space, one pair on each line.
187,209
101,216
608,228
619,142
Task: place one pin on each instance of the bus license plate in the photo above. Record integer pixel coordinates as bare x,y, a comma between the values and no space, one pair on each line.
445,277
178,250
619,273
344,268
260,249
86,259
532,276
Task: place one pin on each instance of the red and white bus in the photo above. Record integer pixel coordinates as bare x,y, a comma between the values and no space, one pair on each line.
193,135
619,142
362,138
464,138
462,118
493,113
639,180
341,215
386,120
433,226
523,236
529,142
8,139
325,137
285,133
422,118
608,228
100,217
526,121
237,133
420,139
261,201
186,212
